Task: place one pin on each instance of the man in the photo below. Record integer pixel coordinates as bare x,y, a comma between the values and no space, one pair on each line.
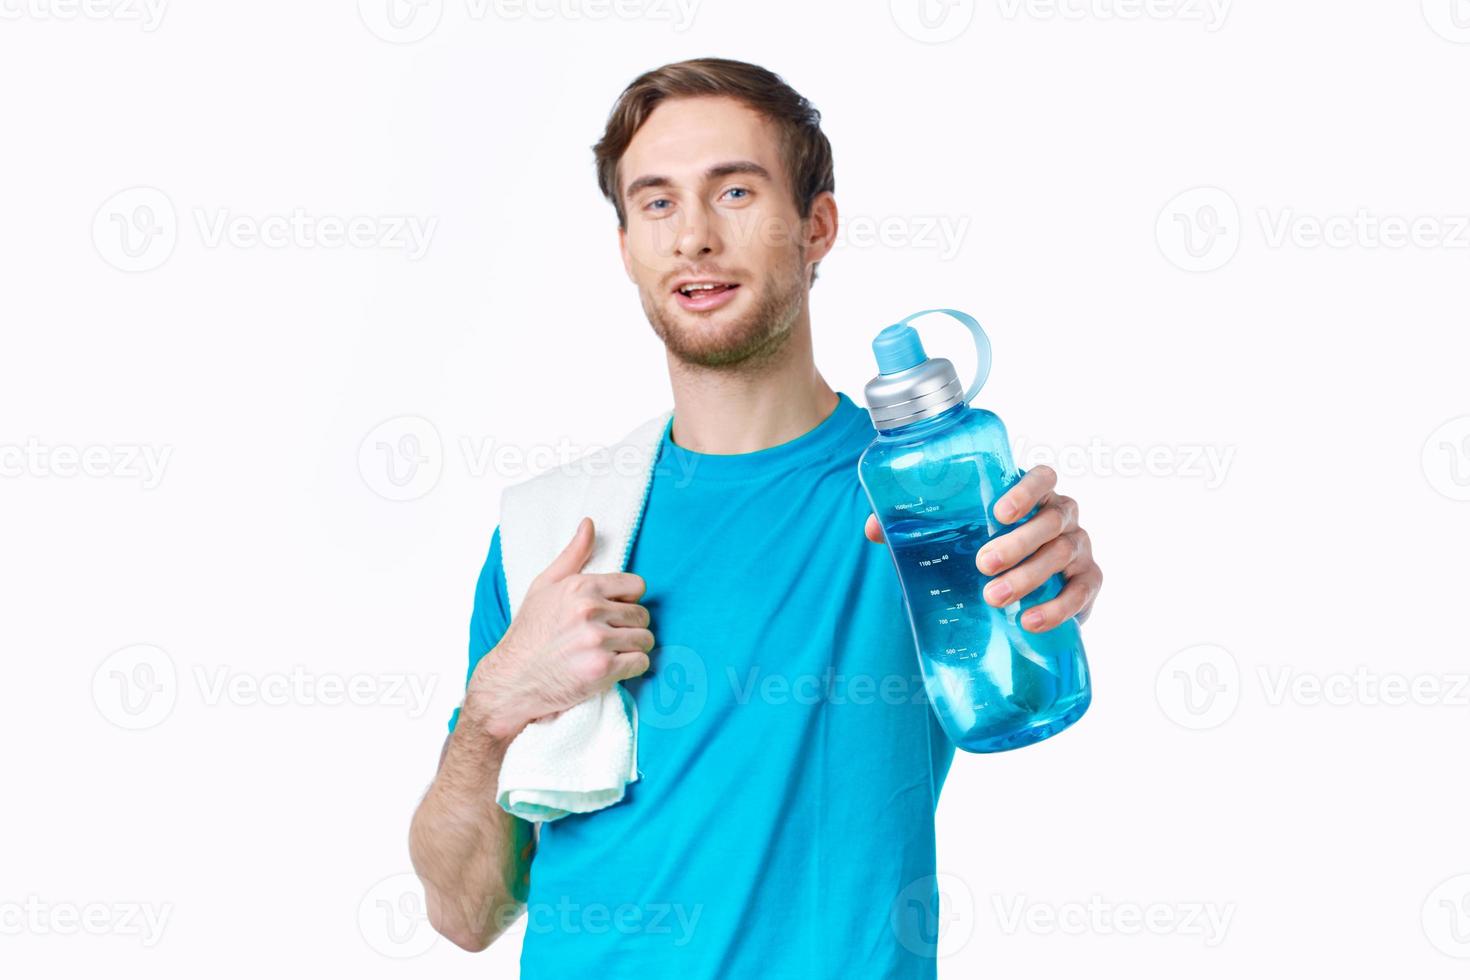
784,827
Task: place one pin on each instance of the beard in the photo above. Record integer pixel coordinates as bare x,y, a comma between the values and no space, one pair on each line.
752,338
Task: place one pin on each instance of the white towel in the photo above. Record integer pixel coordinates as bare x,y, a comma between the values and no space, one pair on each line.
582,759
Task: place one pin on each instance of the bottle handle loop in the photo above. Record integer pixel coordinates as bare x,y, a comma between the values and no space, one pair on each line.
982,346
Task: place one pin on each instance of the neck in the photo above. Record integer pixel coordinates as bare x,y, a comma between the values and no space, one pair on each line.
747,407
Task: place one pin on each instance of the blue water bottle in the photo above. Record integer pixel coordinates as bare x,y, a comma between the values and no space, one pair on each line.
933,476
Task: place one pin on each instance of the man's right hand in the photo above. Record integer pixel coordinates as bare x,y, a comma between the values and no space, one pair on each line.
574,635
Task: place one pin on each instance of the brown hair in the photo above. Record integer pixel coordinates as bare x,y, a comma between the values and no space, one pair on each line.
804,148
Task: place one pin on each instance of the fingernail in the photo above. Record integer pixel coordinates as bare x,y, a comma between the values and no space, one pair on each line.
998,593
1004,513
985,561
1031,620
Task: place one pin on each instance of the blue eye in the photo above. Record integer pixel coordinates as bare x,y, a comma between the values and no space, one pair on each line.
657,200
738,190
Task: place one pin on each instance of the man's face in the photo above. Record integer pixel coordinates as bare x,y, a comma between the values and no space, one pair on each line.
713,239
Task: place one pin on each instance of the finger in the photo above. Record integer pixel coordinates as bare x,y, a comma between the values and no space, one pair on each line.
1011,548
626,614
572,557
1028,576
873,531
617,585
1032,489
1075,596
626,665
627,639
1094,586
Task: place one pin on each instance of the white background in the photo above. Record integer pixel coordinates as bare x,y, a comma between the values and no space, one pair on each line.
269,826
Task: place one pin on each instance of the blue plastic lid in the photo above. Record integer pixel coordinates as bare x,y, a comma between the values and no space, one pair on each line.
898,348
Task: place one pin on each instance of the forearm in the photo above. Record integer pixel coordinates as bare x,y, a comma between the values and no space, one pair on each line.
473,858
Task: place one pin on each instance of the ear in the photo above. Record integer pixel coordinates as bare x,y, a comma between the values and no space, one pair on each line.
820,228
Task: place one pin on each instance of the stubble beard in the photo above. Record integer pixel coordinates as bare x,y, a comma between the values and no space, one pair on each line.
755,338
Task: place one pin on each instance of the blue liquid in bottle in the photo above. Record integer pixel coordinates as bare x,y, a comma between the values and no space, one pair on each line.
933,476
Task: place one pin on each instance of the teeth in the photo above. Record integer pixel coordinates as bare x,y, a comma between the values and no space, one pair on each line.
686,290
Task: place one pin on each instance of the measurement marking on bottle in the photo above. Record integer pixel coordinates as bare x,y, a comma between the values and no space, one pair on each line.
926,562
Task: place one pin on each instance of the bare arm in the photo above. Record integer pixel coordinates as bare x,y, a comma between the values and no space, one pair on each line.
574,635
473,858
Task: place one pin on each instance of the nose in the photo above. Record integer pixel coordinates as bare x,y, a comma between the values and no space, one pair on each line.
697,236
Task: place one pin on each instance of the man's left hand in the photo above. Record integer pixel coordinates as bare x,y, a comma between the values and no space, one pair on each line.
1021,559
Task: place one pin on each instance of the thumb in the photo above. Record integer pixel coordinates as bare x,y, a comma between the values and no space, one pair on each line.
573,556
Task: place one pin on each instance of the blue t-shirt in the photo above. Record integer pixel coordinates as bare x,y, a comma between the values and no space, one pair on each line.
782,824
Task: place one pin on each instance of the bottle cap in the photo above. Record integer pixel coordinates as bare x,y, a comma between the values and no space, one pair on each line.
912,386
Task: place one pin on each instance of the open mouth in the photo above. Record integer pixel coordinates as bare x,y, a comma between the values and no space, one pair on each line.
705,295
691,288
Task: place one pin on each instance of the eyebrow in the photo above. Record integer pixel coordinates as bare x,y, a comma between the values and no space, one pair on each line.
713,173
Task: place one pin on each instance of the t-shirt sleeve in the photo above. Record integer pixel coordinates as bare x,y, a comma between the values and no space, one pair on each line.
491,615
